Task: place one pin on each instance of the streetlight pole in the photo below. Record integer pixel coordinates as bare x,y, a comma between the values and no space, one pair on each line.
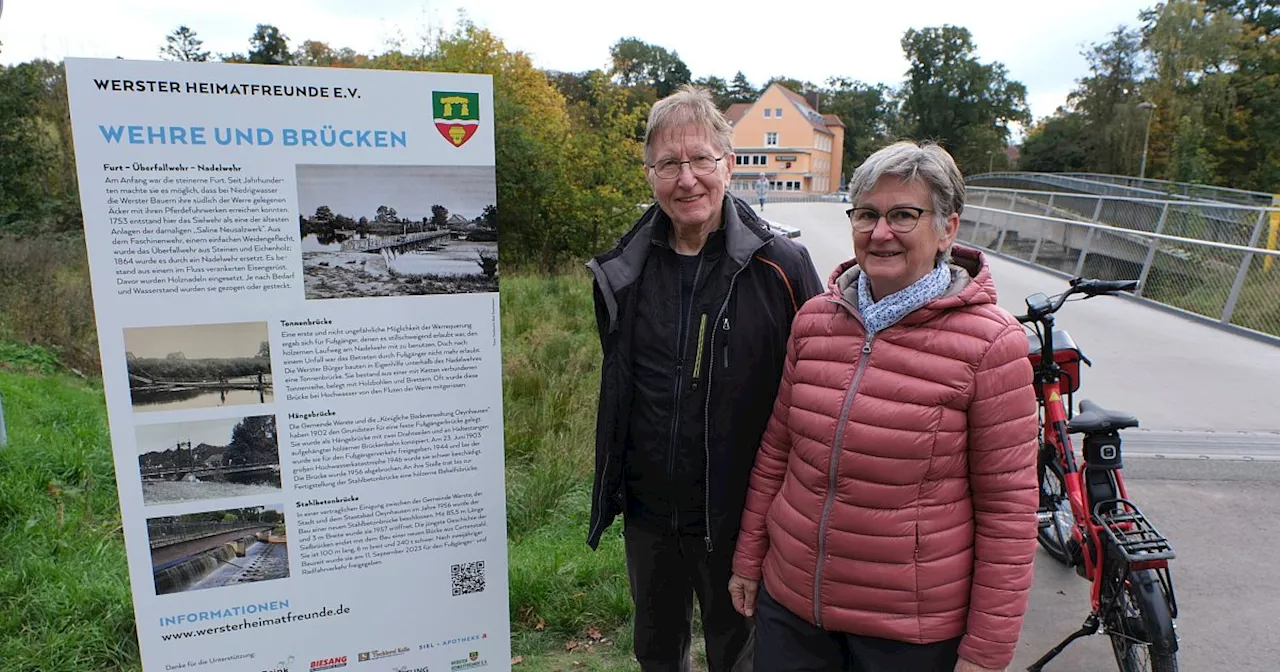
1150,108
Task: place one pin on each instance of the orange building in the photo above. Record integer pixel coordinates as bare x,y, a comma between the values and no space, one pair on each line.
784,137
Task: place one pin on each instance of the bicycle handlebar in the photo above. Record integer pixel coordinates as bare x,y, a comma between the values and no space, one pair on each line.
1088,287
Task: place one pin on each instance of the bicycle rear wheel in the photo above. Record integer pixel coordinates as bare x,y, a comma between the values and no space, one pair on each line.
1055,534
1140,624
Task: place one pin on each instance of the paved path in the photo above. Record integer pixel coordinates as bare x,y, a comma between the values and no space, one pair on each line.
1218,395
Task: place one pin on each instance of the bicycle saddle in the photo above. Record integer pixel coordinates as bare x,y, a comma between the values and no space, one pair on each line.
1094,418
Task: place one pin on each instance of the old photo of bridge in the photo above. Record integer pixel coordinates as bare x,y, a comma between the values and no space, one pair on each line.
208,459
397,230
198,366
213,549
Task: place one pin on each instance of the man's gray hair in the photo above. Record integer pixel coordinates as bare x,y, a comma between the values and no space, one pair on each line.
689,106
909,162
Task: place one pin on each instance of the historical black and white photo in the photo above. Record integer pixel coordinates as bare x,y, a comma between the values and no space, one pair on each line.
198,366
397,230
208,459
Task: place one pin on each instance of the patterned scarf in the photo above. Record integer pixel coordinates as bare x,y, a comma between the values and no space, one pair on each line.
882,314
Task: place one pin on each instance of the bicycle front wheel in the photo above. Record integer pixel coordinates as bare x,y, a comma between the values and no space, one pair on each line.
1055,532
1141,626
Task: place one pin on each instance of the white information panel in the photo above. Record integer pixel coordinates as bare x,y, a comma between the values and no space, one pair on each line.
295,278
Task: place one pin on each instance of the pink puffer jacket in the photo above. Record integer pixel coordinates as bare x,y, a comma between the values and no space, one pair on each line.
894,494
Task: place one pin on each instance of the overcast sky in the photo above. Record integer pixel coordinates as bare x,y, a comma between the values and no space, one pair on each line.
158,438
198,341
357,191
1038,40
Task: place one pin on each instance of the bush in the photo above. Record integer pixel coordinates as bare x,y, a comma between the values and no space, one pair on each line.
45,298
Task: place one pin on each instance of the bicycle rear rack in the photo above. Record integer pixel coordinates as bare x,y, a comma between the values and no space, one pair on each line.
1132,536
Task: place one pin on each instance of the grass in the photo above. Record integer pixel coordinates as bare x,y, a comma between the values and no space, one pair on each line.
64,593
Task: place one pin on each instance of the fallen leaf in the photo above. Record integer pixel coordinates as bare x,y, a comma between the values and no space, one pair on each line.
517,660
579,663
540,625
571,645
594,633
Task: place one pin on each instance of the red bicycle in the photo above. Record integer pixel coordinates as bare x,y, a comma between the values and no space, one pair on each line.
1086,518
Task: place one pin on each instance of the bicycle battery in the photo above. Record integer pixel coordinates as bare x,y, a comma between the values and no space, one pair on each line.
1103,450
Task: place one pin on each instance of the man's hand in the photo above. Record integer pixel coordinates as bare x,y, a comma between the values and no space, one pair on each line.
743,592
962,665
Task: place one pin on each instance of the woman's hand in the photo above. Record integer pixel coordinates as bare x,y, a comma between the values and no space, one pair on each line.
962,665
743,592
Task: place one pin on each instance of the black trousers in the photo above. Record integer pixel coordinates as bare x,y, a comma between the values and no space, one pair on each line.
787,643
666,572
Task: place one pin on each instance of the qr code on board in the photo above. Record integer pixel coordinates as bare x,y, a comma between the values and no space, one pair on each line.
468,577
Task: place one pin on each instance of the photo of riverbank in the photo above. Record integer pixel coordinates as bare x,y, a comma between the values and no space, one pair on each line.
397,230
213,549
198,366
208,459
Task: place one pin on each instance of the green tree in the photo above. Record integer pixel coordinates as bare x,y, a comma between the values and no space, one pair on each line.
950,97
640,64
269,46
718,88
183,45
1058,144
868,112
1107,101
741,91
386,215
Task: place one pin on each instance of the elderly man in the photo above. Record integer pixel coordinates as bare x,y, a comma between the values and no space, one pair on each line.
694,308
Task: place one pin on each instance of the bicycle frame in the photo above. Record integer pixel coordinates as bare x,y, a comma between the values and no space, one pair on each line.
1054,417
1116,544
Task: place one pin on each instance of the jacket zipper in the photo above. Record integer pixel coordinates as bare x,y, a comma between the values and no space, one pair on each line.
682,338
706,407
725,326
697,360
832,466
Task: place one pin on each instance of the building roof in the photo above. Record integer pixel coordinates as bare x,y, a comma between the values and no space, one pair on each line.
736,111
833,120
817,121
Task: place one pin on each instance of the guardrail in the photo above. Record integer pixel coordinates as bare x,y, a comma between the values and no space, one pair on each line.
1229,284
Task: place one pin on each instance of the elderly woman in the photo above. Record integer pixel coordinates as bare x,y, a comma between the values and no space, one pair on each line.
891,511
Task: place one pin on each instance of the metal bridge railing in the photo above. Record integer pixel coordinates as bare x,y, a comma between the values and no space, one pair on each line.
169,533
1232,284
1197,220
1185,189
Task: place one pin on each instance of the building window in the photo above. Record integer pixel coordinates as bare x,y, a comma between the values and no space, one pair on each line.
771,139
766,112
751,159
778,112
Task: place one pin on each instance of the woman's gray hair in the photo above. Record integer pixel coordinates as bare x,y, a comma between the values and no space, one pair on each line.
909,162
689,106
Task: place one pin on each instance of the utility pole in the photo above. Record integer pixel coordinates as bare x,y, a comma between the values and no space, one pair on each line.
1151,114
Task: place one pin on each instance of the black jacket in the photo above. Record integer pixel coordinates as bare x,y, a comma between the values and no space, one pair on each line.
758,283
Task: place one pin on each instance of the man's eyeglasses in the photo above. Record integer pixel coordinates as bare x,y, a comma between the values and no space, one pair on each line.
902,219
700,165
